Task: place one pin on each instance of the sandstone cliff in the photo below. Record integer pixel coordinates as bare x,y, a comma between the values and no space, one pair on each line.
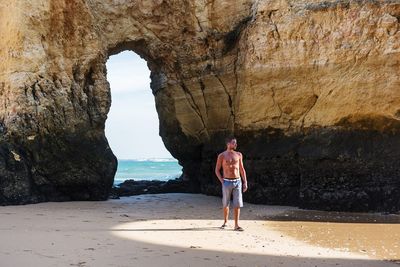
310,88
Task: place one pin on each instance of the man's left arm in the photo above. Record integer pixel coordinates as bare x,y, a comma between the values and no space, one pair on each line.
242,172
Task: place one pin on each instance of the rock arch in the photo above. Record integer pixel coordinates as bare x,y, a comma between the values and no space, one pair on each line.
310,88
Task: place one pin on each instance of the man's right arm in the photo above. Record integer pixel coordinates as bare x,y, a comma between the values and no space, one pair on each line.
218,168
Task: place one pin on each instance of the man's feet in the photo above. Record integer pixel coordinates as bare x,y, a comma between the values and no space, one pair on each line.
223,226
238,228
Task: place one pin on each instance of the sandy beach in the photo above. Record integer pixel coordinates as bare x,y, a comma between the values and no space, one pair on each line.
183,230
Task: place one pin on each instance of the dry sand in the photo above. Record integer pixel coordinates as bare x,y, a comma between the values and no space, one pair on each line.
183,230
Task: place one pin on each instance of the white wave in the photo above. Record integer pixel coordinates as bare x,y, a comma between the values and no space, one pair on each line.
153,159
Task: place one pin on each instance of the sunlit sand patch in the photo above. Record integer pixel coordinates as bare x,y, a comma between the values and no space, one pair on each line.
181,233
377,236
206,235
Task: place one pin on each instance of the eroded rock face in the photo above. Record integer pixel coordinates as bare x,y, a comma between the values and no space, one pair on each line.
309,88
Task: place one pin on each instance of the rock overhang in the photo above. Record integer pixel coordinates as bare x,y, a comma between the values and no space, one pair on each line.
310,88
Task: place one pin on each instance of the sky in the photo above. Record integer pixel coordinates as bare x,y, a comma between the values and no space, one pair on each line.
132,122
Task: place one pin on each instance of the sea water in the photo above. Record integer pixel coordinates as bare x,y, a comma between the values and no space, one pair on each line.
147,169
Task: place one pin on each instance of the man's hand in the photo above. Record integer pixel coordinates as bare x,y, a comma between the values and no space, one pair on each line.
218,168
242,172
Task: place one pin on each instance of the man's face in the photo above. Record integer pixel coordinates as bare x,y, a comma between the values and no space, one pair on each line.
232,144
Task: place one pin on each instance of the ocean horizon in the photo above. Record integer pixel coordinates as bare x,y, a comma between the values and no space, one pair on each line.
147,169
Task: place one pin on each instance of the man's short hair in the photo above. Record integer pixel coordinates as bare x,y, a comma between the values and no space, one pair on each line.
229,139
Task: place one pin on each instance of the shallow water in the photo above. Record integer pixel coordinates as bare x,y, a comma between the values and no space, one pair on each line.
375,235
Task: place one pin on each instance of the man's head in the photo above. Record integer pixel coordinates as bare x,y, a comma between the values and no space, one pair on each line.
231,142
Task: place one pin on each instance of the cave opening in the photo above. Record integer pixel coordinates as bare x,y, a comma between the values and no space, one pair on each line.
132,125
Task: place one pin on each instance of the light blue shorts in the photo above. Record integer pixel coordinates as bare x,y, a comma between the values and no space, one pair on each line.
232,187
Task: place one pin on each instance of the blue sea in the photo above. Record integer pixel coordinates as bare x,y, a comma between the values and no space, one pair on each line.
147,169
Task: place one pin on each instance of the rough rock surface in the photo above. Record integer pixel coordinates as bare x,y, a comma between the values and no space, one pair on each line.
310,88
140,187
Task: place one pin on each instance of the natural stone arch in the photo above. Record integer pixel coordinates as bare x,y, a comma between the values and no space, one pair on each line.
286,77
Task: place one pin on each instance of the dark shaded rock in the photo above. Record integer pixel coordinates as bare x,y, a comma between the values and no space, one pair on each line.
56,168
139,187
325,168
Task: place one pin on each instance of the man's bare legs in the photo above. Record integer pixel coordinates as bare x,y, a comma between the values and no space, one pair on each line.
236,217
237,214
226,214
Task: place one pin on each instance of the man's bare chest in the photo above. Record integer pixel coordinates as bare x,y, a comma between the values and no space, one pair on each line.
231,160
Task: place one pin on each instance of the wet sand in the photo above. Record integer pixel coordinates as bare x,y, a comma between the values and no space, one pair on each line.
375,235
176,230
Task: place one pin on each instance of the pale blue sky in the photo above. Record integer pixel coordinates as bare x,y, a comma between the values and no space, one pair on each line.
132,123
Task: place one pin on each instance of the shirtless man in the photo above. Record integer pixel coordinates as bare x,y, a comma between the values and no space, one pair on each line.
232,165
